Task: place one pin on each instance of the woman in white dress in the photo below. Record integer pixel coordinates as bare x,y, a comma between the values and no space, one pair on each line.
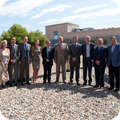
4,60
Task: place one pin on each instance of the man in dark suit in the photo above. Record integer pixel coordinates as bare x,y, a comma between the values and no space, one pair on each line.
13,63
99,56
87,50
113,62
47,55
75,51
25,59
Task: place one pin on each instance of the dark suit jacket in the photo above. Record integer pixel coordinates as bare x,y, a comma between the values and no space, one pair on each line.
75,52
16,52
21,51
100,56
114,56
84,50
51,55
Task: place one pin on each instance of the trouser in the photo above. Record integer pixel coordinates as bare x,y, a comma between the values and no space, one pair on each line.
77,67
87,64
10,69
114,71
47,68
24,64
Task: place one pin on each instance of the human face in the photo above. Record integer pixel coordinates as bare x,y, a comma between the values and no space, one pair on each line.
113,41
37,42
48,44
87,40
100,42
60,40
75,39
25,40
13,40
4,45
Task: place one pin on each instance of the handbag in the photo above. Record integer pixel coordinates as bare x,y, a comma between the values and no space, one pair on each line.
5,76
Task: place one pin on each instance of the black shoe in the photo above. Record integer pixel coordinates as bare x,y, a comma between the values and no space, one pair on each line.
116,90
78,83
56,81
49,82
44,82
17,85
84,84
28,83
70,82
95,86
10,85
22,84
110,88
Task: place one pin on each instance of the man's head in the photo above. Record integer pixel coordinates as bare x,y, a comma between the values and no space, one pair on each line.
100,41
87,39
113,40
48,43
60,39
75,39
25,39
13,40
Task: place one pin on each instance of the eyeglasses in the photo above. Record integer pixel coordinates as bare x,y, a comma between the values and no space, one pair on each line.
13,39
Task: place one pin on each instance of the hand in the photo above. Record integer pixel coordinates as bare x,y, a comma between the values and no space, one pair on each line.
66,61
55,61
47,60
3,65
106,65
6,65
19,62
13,61
74,59
97,62
30,62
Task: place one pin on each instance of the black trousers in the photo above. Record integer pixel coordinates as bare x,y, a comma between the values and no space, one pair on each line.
87,64
114,72
47,68
77,67
99,75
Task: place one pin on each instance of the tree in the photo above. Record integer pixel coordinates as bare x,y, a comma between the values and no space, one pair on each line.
1,38
19,32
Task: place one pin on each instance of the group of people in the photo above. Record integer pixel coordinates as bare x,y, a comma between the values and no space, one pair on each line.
98,56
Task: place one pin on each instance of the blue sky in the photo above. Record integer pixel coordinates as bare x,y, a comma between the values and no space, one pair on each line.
36,14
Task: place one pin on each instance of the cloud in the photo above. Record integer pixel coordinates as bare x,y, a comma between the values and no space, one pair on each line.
48,21
118,2
89,8
58,8
21,6
26,26
1,2
101,13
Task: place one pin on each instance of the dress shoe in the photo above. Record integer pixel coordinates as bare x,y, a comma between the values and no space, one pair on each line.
44,82
22,84
116,90
110,88
28,83
49,82
70,82
16,85
56,81
95,86
10,85
84,84
78,83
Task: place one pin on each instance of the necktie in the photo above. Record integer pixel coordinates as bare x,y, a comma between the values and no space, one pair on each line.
98,49
48,52
25,50
61,47
75,45
13,48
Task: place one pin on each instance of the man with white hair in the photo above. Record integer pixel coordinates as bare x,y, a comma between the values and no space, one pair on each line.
87,50
99,56
61,58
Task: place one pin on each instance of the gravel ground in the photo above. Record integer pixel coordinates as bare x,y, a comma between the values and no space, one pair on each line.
59,101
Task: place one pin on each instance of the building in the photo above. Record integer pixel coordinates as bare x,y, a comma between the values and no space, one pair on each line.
69,30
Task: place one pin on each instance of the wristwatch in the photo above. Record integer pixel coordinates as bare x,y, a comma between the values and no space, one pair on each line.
0,60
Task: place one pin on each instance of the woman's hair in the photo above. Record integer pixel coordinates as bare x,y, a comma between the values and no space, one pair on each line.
4,41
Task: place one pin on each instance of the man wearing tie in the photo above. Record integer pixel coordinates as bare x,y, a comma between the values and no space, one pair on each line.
47,55
75,51
61,58
99,56
25,59
87,50
13,63
113,62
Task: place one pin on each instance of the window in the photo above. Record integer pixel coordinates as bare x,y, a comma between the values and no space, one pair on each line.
56,35
104,42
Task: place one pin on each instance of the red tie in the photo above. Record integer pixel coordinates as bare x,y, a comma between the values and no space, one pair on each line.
61,48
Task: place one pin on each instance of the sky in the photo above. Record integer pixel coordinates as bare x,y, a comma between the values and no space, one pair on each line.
36,14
